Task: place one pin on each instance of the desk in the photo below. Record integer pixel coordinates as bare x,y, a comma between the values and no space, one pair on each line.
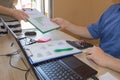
9,73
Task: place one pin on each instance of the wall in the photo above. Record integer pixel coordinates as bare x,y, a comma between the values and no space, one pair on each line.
81,12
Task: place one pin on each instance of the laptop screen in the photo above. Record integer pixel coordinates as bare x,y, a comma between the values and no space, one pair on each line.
12,34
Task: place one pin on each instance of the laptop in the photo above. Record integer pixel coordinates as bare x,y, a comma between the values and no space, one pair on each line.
64,68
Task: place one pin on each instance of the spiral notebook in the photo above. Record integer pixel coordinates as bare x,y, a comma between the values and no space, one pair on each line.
40,21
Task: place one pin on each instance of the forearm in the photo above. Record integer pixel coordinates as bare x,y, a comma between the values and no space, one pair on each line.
114,64
79,30
5,11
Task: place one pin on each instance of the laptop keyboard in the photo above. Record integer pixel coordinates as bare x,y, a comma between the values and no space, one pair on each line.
57,70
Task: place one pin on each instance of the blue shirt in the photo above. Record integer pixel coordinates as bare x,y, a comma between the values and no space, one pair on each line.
107,29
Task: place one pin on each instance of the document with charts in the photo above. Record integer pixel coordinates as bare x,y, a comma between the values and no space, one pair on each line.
39,52
40,21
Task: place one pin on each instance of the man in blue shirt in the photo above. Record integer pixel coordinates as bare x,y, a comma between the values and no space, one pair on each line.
107,30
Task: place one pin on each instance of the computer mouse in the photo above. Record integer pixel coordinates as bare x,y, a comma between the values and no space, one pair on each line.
30,33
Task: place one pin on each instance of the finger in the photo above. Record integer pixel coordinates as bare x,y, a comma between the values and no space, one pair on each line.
60,29
27,16
90,57
25,19
54,19
88,53
90,48
57,20
21,18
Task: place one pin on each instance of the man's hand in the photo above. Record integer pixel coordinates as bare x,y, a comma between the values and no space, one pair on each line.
63,23
97,55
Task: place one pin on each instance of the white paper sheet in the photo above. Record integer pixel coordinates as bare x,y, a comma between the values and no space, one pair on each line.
107,76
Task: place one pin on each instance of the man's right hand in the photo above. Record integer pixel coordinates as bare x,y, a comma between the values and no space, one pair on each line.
63,23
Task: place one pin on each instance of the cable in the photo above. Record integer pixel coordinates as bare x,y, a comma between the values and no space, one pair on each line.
26,74
11,54
10,62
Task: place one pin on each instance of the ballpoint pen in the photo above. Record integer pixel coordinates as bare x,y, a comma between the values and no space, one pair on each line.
63,49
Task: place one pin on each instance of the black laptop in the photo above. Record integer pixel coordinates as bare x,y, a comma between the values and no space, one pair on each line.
65,68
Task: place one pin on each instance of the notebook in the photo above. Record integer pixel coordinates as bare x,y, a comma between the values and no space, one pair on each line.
40,21
39,52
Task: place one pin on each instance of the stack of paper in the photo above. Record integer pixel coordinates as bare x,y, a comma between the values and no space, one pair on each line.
107,76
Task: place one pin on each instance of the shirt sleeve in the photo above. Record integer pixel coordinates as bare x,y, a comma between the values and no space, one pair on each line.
96,29
93,30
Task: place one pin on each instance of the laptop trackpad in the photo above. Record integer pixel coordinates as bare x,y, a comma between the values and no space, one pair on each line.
72,62
79,67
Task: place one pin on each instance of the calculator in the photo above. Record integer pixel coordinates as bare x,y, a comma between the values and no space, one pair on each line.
80,44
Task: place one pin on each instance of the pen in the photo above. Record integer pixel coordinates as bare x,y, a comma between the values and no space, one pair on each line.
63,49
